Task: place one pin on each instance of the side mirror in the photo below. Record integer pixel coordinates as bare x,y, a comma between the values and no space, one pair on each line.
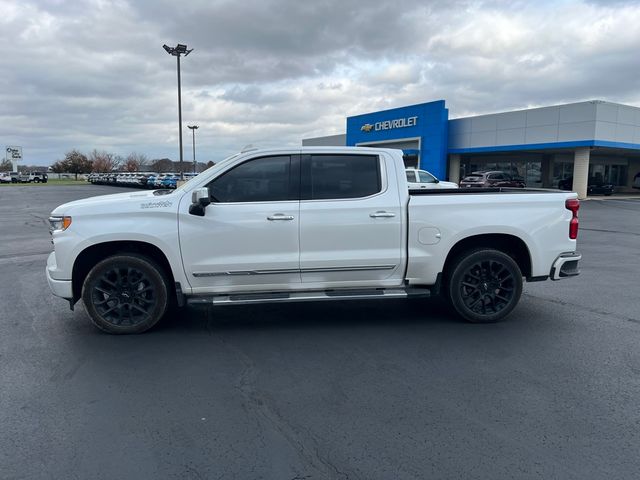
200,198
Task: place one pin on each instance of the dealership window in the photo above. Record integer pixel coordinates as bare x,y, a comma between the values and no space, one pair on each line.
561,170
527,169
608,173
601,170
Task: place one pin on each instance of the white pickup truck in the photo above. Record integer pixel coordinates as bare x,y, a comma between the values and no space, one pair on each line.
307,224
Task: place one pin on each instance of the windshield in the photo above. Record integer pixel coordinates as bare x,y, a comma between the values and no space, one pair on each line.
426,177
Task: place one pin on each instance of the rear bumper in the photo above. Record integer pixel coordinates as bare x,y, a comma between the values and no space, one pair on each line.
565,266
60,288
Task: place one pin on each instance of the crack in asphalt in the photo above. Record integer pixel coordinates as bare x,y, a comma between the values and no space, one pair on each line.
29,257
18,256
257,404
609,231
564,303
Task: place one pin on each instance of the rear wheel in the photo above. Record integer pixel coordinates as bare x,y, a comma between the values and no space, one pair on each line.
125,294
484,285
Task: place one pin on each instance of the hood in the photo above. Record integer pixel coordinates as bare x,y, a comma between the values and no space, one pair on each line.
115,198
448,184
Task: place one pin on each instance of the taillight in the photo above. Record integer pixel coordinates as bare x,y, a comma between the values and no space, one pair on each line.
573,204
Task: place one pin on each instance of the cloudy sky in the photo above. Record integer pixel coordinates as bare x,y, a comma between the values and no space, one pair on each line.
93,74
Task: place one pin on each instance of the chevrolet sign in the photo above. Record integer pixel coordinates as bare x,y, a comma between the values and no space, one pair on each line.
390,124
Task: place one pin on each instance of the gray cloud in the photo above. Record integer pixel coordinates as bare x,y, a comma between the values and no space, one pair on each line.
92,74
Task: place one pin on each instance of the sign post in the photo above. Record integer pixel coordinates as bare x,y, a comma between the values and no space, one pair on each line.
14,155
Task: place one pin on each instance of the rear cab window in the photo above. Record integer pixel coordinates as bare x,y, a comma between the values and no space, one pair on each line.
342,176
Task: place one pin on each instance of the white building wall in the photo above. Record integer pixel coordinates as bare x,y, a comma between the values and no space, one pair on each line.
328,141
593,120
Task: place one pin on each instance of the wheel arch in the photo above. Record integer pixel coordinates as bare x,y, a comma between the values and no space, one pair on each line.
93,254
512,245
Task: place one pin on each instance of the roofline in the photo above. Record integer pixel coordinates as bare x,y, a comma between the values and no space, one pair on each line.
546,146
594,102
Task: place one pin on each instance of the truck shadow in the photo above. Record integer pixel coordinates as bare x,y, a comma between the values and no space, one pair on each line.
309,315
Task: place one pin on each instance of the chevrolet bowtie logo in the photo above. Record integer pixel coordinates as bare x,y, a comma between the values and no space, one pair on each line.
367,127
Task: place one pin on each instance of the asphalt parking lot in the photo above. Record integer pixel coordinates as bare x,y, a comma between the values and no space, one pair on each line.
349,390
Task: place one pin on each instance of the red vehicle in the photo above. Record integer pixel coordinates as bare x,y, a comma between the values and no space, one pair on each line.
491,179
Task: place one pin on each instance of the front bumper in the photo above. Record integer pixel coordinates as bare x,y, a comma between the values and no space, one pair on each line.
565,266
60,288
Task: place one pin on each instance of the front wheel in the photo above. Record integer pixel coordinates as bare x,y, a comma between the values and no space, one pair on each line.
125,294
485,285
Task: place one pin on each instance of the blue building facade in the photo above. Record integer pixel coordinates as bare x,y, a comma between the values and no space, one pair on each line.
591,142
419,130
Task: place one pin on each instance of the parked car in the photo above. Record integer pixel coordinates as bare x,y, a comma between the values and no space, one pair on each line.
160,180
143,179
35,177
423,179
5,177
170,181
594,187
346,226
492,179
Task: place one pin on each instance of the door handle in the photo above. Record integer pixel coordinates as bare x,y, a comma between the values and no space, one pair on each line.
381,214
280,216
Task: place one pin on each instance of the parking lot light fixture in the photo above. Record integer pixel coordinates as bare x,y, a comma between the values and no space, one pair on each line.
177,52
193,129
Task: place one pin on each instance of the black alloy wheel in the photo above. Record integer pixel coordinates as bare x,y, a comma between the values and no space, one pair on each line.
485,285
125,294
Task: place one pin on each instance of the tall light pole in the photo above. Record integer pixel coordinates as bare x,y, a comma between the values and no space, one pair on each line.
177,51
193,129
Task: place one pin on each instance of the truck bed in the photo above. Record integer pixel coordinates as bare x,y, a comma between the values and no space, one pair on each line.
480,190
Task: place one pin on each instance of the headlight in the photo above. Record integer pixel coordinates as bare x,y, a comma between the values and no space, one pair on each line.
59,224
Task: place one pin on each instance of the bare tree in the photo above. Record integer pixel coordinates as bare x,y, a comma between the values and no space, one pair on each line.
6,166
135,162
118,162
102,161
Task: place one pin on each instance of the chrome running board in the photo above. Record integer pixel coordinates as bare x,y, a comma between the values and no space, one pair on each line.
312,296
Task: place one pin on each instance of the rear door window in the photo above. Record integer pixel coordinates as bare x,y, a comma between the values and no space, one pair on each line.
327,177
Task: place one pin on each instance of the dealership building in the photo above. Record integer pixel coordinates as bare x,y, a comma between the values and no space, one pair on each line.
593,142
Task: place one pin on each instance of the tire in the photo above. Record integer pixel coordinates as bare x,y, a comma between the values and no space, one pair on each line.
125,294
36,180
484,286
